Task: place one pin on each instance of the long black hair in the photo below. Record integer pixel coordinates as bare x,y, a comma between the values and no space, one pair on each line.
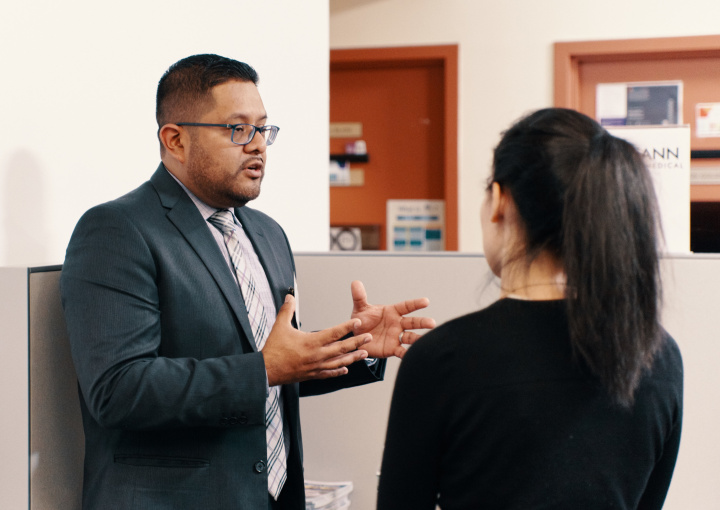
587,198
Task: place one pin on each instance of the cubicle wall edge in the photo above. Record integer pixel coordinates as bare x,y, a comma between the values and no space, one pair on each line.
41,442
14,381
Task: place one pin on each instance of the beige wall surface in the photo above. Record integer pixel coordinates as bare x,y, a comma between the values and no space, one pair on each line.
506,59
78,108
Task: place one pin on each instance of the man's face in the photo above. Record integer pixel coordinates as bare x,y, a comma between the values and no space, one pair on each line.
221,173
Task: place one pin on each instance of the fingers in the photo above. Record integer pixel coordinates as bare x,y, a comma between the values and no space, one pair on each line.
333,352
411,305
326,374
349,346
337,365
292,356
399,352
285,314
409,337
417,323
335,333
343,360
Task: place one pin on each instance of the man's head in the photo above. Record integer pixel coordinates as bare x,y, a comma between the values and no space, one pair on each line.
197,98
184,90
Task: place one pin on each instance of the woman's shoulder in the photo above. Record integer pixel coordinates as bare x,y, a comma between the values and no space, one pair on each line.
502,319
505,313
668,362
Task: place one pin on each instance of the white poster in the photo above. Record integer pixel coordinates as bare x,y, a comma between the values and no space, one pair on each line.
707,120
415,225
666,150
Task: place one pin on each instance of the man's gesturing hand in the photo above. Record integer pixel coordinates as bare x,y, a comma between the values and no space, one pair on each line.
388,324
293,356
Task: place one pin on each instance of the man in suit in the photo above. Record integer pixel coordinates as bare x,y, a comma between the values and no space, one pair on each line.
183,331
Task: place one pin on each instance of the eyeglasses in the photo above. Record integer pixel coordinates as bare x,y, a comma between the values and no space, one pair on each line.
242,134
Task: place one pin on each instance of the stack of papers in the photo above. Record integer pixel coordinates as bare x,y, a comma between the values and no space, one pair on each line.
327,495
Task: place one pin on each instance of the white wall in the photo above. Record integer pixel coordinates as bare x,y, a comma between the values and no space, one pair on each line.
78,101
506,66
87,71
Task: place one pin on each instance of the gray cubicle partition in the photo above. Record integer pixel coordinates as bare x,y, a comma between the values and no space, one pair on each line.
14,417
42,446
343,432
56,437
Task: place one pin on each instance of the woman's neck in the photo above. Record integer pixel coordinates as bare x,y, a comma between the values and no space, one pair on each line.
542,280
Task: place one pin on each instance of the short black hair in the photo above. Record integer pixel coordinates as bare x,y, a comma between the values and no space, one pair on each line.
184,89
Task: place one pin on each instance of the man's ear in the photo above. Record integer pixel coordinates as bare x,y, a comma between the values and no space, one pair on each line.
174,139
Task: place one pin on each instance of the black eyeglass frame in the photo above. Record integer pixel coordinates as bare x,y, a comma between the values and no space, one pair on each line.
269,140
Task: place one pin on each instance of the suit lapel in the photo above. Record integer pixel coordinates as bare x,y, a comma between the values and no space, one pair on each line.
183,213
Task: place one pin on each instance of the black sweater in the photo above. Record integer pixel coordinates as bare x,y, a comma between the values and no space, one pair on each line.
490,411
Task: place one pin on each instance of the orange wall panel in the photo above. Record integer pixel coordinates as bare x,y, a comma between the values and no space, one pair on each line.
401,111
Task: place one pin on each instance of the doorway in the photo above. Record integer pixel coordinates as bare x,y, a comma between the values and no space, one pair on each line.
404,101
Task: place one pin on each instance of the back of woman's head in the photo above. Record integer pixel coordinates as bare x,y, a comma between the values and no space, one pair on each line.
587,198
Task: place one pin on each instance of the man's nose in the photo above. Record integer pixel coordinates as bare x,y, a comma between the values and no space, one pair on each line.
257,144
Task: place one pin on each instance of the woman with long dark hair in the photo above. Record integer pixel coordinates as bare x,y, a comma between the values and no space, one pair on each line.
566,392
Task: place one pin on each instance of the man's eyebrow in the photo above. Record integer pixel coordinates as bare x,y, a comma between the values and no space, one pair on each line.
244,118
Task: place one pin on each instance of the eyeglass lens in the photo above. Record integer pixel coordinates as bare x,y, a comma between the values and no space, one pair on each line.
244,133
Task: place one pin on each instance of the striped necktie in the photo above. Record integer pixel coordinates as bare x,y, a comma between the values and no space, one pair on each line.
277,459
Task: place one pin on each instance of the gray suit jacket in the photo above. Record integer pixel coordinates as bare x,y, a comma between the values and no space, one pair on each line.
172,386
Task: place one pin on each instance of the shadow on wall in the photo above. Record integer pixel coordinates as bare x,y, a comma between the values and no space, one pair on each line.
24,239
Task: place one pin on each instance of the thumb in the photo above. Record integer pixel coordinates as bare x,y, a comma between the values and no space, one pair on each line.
359,296
285,314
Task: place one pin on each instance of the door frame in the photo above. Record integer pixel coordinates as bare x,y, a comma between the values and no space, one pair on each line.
570,55
447,57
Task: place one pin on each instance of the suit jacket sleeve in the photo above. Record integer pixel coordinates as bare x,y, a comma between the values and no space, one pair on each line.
359,373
